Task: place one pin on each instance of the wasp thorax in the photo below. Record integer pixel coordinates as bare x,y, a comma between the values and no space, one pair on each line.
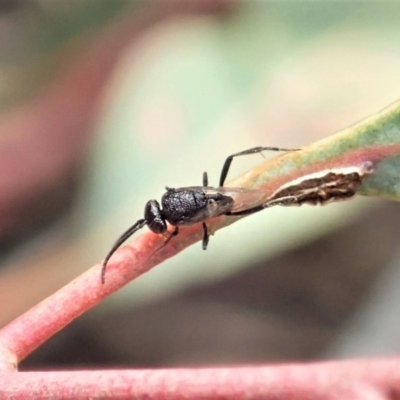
154,217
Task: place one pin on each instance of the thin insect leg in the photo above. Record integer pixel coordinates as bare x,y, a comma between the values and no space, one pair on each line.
138,225
206,236
254,150
284,201
205,179
174,233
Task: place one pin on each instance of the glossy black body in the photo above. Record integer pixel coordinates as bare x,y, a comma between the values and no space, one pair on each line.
188,206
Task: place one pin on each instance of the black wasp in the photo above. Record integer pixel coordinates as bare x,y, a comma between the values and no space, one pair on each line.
194,204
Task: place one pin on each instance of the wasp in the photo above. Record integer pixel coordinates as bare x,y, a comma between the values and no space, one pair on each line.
193,204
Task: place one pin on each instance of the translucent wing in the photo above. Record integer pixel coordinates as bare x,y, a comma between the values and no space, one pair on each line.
243,198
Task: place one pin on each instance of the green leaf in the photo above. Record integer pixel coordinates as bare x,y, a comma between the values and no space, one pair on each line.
375,139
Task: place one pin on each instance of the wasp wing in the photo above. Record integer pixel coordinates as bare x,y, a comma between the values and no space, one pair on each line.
242,198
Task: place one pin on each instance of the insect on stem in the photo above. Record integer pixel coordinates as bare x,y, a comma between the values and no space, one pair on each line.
191,205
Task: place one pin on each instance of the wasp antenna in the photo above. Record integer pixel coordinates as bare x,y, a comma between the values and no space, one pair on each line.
138,225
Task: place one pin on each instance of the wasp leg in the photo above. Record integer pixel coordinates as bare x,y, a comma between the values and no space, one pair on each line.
205,179
284,201
174,233
253,150
206,236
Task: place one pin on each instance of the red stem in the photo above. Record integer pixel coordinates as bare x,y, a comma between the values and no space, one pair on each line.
33,328
361,379
23,335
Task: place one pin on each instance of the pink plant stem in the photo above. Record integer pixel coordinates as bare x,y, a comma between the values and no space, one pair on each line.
27,332
377,379
356,380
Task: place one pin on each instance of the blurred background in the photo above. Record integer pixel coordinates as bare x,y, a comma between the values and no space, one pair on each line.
105,102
